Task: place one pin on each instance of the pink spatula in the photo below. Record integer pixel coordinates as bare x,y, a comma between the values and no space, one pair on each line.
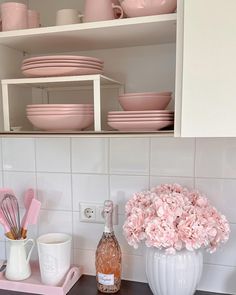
28,197
31,216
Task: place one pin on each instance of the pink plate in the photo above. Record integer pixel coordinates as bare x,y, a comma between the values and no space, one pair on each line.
59,71
61,122
63,61
141,116
44,65
62,57
46,113
147,93
59,105
140,126
140,119
140,112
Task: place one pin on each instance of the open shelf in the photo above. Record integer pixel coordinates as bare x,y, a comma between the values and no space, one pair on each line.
146,30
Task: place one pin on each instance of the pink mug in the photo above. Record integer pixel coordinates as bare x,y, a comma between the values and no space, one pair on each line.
102,10
33,19
14,16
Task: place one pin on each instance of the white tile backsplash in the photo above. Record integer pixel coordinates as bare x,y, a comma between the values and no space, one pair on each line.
88,188
172,157
66,171
123,186
216,157
18,154
53,155
90,155
54,191
129,156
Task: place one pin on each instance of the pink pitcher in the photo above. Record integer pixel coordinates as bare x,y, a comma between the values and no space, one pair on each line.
101,10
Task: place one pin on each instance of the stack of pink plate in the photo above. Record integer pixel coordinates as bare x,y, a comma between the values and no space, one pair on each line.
61,65
140,120
60,117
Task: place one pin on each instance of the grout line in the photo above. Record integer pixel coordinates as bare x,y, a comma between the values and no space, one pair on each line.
36,180
72,192
149,162
109,168
194,163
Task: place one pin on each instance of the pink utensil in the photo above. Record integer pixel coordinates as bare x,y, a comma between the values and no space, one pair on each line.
28,197
31,216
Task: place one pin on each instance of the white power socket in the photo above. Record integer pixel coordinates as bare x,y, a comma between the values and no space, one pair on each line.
92,212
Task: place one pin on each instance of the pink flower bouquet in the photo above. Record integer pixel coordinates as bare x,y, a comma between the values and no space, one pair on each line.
172,217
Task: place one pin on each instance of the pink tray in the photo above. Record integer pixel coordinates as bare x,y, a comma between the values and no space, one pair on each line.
34,285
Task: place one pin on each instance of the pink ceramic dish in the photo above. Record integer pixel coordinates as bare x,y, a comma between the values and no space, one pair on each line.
140,112
60,105
69,61
45,65
140,126
147,94
62,57
49,112
140,116
139,119
59,71
133,8
61,122
142,103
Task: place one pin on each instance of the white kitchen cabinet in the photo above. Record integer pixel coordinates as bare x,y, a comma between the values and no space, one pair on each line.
139,52
209,69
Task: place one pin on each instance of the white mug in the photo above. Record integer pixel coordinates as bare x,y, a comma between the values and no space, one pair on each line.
68,16
54,251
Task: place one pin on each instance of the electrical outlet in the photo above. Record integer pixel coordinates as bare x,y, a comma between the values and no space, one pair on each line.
91,212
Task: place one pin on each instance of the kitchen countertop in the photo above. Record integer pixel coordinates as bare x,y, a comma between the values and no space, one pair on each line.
87,286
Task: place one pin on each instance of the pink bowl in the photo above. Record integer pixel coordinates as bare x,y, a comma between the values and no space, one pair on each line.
142,103
61,122
59,105
133,8
147,94
45,113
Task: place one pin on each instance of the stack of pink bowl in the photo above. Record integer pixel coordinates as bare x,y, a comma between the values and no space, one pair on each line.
60,117
142,112
61,65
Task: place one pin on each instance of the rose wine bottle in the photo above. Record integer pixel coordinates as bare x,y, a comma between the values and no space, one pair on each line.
108,256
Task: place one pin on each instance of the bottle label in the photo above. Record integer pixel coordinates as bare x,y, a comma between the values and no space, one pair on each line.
107,280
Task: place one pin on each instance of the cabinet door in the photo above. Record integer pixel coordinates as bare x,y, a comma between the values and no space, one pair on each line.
209,69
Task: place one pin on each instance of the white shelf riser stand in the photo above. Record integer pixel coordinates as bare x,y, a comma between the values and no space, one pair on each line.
97,104
5,105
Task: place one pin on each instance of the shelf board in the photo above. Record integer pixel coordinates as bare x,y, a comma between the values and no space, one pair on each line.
160,133
137,31
44,82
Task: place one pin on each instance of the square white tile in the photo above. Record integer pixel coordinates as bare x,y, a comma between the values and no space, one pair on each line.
221,193
90,155
2,250
133,268
184,181
19,182
54,190
86,235
86,258
218,279
216,157
172,157
1,163
89,188
55,221
18,154
129,156
53,154
122,188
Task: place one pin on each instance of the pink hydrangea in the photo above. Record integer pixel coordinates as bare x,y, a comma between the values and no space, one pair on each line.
172,217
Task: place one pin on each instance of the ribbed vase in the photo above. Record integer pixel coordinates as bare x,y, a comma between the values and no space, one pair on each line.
177,274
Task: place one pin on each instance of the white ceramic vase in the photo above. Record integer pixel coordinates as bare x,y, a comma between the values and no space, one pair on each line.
177,274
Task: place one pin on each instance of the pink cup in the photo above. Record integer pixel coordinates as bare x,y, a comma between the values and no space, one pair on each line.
33,19
14,16
104,10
